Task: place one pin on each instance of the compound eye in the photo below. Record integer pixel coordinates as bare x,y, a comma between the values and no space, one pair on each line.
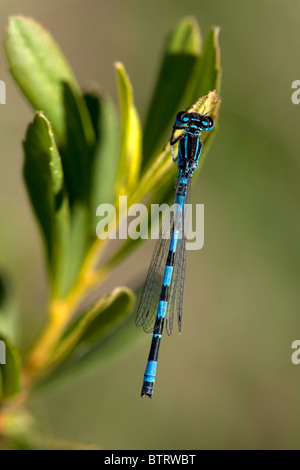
207,123
182,118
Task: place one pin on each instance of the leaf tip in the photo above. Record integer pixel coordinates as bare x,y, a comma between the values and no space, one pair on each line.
14,20
119,65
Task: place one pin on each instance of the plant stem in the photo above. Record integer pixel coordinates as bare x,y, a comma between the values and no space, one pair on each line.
61,312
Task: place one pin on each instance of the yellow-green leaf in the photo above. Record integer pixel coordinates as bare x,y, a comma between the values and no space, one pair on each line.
130,158
92,325
81,346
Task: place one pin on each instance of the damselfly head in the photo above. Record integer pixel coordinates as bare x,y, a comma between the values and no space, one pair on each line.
201,121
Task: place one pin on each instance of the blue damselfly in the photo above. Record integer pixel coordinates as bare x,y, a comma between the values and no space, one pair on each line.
162,295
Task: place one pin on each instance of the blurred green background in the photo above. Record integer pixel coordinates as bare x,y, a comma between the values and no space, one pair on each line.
228,380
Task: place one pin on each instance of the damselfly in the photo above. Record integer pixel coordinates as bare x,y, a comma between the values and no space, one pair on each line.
162,295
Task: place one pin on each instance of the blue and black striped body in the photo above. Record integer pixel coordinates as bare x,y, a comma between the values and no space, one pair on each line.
171,287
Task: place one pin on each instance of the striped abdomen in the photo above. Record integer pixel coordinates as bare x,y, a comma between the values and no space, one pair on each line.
150,372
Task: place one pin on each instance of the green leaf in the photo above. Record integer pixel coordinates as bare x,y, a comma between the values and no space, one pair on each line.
84,339
106,153
207,76
130,153
46,79
41,71
45,185
10,371
182,52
